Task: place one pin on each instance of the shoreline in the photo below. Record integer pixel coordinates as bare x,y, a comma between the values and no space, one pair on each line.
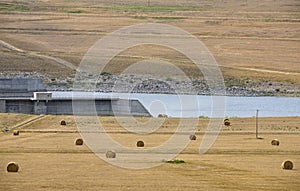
109,83
149,84
158,93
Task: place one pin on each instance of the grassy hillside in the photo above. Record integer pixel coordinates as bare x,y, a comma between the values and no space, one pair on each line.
254,41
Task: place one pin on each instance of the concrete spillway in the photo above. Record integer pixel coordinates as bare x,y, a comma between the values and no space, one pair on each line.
27,96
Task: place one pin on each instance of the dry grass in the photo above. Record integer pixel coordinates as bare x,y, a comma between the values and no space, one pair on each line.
10,120
267,124
236,160
262,36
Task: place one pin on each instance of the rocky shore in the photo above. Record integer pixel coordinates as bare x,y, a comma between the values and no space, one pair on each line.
107,82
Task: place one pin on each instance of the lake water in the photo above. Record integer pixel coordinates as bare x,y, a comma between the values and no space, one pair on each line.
195,106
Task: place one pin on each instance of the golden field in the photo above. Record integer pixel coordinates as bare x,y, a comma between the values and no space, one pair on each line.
49,160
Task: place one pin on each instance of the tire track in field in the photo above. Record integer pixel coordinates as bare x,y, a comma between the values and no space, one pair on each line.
57,60
72,66
261,70
220,65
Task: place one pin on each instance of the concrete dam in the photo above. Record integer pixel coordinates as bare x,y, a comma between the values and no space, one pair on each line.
29,96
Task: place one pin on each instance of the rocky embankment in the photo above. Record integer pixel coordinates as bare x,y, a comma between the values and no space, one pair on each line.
165,85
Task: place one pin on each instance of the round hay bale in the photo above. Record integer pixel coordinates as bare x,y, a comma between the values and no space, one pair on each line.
110,154
63,122
79,141
16,132
140,144
226,119
287,165
275,142
193,137
227,123
12,167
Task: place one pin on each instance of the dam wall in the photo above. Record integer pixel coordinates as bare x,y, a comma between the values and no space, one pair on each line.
101,107
20,96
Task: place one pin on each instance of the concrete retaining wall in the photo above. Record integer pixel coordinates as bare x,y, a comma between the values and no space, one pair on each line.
2,106
19,87
19,106
85,107
106,107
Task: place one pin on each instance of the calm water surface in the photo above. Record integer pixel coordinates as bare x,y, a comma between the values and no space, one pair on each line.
194,106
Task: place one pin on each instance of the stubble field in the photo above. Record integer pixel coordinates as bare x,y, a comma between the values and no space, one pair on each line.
49,160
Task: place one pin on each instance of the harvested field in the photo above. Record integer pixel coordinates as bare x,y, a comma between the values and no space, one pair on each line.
256,44
237,161
10,120
252,41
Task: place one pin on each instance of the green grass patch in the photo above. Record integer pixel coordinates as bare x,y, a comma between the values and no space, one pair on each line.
4,129
76,11
168,18
140,17
158,18
203,117
214,22
229,82
169,79
156,8
14,7
270,19
175,161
